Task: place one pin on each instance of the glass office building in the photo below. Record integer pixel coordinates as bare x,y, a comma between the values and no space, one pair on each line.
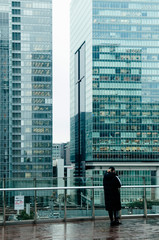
26,88
118,90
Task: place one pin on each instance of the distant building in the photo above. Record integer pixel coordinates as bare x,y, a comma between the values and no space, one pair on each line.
56,151
63,176
67,154
61,150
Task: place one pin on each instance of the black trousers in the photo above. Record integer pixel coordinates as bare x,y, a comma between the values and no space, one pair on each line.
113,215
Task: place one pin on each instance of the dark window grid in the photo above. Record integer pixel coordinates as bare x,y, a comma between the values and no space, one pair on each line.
16,19
16,70
16,85
16,36
16,11
16,55
15,4
16,27
16,63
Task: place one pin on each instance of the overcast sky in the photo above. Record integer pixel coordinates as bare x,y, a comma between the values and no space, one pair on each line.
61,95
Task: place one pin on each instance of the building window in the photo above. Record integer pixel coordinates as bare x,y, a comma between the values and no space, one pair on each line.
15,19
16,27
16,36
15,4
16,46
16,11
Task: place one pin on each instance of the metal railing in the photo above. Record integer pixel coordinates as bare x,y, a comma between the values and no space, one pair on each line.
93,206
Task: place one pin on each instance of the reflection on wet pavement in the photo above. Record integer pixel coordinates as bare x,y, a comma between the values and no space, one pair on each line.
84,230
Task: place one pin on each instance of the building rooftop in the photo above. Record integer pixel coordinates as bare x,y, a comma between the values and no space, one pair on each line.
139,228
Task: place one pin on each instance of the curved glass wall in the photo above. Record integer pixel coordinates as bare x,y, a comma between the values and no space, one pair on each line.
80,84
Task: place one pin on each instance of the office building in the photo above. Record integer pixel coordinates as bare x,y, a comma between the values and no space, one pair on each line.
56,151
26,89
114,61
61,150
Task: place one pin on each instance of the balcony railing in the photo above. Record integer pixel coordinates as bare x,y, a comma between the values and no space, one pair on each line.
37,204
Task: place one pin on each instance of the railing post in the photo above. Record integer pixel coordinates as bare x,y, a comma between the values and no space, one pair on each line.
4,204
145,201
65,201
35,203
93,207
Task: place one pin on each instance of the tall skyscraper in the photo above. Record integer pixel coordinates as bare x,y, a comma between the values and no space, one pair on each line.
26,88
115,86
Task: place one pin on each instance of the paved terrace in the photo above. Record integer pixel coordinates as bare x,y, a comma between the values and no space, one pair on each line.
84,230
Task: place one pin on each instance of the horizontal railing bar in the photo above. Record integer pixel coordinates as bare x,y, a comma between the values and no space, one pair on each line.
69,188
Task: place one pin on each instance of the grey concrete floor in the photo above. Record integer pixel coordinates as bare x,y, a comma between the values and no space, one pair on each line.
84,230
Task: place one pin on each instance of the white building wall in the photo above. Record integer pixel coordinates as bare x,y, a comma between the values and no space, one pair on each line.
60,174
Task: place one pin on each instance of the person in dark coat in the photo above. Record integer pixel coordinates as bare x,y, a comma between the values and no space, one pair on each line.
112,183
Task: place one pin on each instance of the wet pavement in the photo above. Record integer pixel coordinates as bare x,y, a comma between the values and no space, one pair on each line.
84,230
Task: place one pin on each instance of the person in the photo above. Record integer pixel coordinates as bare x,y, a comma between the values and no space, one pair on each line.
111,184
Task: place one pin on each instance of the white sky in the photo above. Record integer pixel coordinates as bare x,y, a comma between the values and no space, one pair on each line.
61,95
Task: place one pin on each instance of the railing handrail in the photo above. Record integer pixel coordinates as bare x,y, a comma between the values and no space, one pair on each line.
35,200
74,187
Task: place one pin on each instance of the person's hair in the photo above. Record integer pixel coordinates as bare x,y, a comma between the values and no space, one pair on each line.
112,168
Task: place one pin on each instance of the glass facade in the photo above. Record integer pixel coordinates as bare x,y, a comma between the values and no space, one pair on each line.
28,106
4,92
122,90
125,81
80,85
128,177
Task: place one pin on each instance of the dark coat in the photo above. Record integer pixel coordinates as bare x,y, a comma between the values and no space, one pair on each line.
111,185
